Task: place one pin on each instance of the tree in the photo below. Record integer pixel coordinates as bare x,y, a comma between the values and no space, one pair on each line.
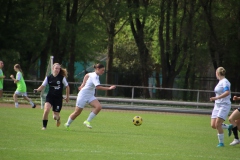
137,18
111,12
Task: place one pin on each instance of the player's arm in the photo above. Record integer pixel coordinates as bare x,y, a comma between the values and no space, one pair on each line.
2,77
105,88
84,82
224,94
65,83
235,98
40,88
67,93
15,80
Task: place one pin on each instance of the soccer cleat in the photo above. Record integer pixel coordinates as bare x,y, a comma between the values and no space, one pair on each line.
34,105
58,123
43,128
66,126
220,145
234,142
230,130
87,124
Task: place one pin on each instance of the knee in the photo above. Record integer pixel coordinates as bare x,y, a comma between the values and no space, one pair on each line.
213,127
230,119
99,107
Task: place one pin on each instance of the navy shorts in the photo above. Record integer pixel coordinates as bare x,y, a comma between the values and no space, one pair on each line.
56,103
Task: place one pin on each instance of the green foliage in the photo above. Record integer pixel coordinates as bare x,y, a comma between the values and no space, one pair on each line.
26,25
161,136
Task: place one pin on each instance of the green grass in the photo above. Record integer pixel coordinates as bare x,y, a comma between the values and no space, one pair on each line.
161,136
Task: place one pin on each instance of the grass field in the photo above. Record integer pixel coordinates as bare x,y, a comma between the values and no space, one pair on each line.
161,136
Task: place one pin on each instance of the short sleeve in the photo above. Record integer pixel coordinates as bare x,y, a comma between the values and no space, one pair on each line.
45,82
64,81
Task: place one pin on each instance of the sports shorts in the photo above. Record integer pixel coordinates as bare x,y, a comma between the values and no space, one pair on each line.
83,99
24,94
55,102
221,110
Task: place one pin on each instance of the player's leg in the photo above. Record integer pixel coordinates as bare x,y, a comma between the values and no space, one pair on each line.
233,119
56,108
80,104
47,108
15,98
218,125
221,117
73,116
29,100
97,108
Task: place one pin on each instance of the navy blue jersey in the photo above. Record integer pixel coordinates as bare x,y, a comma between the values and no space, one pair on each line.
55,86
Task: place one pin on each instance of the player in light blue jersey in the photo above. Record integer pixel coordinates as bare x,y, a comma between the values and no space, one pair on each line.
222,104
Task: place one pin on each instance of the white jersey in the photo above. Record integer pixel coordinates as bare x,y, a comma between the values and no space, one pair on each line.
91,84
222,86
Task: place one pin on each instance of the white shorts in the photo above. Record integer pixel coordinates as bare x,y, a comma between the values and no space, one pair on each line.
24,94
83,99
221,110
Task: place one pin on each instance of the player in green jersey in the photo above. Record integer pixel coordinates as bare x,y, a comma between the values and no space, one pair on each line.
1,78
21,86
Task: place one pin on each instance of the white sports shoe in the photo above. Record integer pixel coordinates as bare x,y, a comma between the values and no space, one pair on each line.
234,142
87,124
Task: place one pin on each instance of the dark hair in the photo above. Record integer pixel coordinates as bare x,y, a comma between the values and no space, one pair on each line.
98,66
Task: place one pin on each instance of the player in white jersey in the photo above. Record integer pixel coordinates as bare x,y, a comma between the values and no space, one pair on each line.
86,95
222,104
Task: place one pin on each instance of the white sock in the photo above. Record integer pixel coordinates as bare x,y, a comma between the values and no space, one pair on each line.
32,104
225,126
220,138
69,121
16,104
91,116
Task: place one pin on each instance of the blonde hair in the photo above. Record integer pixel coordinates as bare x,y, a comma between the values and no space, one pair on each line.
19,68
221,71
63,71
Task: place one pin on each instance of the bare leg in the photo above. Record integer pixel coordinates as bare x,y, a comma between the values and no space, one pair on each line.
76,113
15,98
97,106
47,108
56,116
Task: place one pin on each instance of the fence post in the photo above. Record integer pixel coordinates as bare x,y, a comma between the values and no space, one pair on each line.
197,97
132,94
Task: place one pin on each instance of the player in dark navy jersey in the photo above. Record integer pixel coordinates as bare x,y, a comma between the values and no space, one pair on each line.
56,81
